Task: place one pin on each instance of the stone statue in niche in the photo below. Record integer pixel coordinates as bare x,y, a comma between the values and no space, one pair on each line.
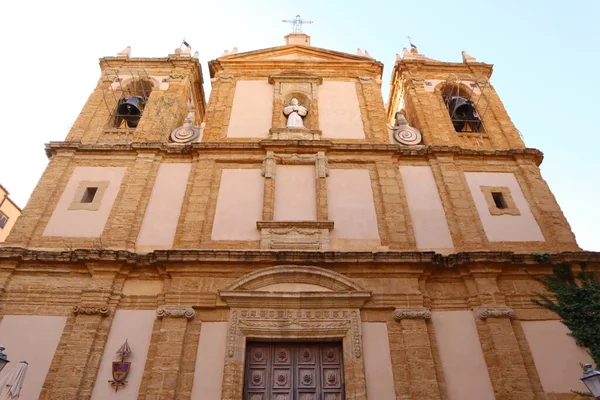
295,112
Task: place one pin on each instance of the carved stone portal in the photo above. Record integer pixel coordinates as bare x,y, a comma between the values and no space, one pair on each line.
319,316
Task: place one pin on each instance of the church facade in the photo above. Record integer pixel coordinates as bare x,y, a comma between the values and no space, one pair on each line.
290,238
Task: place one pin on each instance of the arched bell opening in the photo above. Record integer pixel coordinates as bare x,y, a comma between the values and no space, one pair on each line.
461,108
132,102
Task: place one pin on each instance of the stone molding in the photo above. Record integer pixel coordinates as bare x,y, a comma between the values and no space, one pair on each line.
83,309
162,257
483,313
297,274
411,313
175,312
54,147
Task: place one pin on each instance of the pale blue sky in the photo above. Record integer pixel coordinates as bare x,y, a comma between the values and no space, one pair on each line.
545,55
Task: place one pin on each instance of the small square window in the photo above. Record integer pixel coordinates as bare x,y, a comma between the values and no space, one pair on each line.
89,194
499,200
3,220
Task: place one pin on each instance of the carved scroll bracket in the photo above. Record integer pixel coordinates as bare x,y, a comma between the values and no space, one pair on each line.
404,313
102,311
496,312
175,312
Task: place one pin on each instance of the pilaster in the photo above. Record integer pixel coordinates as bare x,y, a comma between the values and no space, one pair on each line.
412,356
169,360
501,350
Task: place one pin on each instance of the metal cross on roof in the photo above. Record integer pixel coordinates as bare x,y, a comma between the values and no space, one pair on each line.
297,23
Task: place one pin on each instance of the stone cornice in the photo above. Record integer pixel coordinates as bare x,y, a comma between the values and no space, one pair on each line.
199,257
53,148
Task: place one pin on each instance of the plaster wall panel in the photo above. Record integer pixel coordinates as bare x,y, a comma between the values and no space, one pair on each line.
210,361
378,364
556,356
163,210
80,222
33,339
252,110
351,207
135,326
465,371
239,205
295,193
339,112
425,207
501,228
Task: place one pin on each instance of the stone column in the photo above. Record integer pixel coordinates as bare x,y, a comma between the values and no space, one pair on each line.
170,342
501,350
412,356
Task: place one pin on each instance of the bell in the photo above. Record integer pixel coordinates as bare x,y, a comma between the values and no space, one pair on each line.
462,112
130,110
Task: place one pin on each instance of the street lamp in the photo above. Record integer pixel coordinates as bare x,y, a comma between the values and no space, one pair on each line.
591,378
3,359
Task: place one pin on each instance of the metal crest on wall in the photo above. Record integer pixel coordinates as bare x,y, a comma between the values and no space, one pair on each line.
120,369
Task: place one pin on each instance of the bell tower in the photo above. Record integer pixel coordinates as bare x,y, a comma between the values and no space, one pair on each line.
453,104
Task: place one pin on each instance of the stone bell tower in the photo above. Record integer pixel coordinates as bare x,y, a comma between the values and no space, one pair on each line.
134,111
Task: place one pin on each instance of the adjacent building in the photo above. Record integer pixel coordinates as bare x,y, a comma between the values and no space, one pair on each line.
290,238
9,212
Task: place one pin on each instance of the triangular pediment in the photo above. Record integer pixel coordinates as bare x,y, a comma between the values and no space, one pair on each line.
294,53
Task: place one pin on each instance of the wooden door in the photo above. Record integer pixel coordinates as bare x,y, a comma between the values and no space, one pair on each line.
294,371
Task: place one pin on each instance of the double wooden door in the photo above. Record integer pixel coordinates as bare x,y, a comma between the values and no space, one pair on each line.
294,371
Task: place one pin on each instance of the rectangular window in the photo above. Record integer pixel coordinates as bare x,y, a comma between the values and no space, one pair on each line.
499,200
89,194
3,220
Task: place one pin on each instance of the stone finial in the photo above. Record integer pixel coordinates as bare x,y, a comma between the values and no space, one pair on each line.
225,53
467,58
125,52
494,311
398,58
196,55
367,54
234,50
359,52
404,313
175,312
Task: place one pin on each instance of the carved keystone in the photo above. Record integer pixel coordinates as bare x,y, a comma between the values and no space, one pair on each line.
403,313
103,311
496,312
175,312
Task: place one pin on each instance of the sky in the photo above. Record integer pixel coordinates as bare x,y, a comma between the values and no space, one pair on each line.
545,55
